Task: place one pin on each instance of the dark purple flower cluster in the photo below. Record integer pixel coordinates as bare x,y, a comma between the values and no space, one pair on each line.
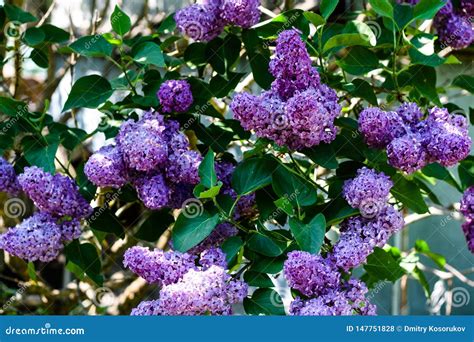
348,299
454,25
57,195
319,279
368,191
40,237
298,111
154,156
467,209
8,180
246,206
175,96
187,288
411,142
206,19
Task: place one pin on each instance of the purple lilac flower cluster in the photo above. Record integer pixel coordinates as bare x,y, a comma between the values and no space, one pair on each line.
41,236
206,19
368,192
298,111
467,209
188,288
411,142
318,279
246,206
454,25
8,180
154,156
175,96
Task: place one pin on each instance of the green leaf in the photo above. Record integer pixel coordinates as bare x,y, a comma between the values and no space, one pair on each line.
40,58
409,194
149,53
421,246
155,225
12,107
466,172
268,265
264,302
309,236
231,247
364,90
31,271
420,276
33,36
261,280
293,187
84,256
285,205
189,230
120,21
41,152
382,7
259,58
104,220
384,265
54,34
426,9
439,172
253,174
465,82
403,15
92,46
314,18
266,245
207,171
424,79
89,92
359,61
346,39
15,13
327,7
323,155
201,192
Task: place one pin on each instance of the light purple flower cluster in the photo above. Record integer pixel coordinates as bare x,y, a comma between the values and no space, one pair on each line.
199,292
206,19
187,288
349,299
175,96
246,206
298,111
368,191
319,279
467,209
57,195
154,156
40,237
8,180
360,235
454,25
411,142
